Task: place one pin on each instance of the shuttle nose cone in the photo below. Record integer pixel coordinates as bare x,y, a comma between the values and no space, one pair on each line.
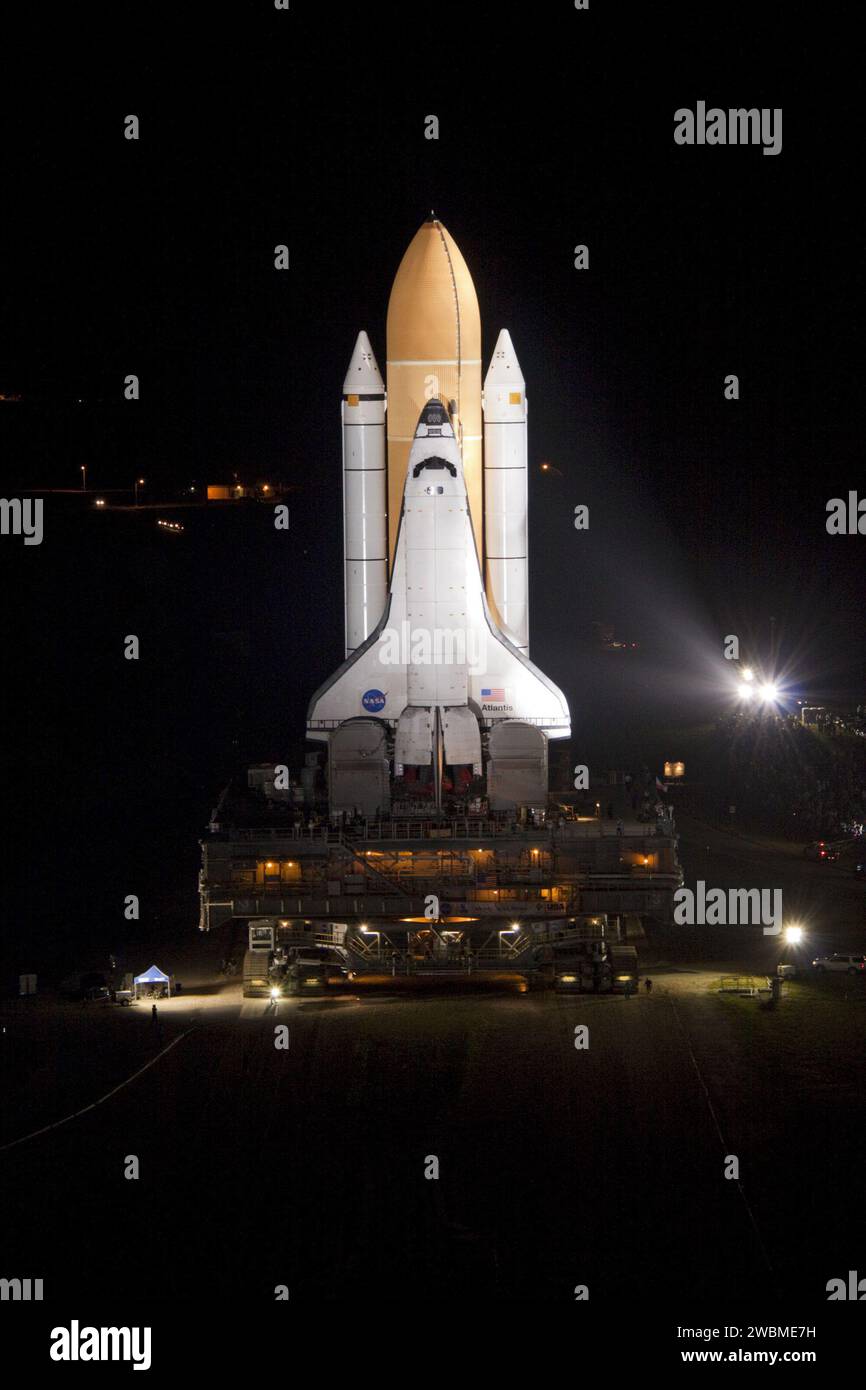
435,414
434,422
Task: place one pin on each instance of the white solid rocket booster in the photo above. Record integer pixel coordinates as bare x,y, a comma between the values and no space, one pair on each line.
365,522
505,493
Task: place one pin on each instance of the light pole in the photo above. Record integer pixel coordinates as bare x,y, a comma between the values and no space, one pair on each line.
84,477
139,482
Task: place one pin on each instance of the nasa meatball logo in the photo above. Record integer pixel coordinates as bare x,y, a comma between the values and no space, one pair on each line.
373,701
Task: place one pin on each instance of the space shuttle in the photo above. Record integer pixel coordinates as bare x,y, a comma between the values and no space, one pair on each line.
437,698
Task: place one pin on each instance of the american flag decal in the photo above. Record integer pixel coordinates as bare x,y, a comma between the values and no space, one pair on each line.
493,693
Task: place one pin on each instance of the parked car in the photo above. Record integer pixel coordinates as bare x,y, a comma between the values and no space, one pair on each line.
838,961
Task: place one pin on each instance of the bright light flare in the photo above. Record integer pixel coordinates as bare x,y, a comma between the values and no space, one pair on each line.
793,935
769,693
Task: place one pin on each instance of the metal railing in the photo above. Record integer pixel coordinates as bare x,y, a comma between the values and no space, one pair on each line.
748,985
455,828
405,963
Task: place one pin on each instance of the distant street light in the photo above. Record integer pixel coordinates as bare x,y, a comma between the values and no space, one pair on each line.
139,482
84,477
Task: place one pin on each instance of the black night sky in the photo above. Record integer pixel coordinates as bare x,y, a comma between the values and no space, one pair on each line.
156,258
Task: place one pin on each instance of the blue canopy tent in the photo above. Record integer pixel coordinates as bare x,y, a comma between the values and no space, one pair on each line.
153,976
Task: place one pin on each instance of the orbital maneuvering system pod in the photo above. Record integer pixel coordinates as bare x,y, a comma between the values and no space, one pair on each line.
437,705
